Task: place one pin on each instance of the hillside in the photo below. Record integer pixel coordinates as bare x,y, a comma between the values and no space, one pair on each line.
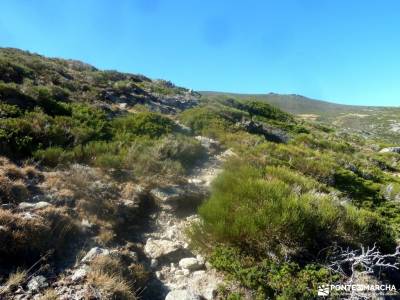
118,186
381,123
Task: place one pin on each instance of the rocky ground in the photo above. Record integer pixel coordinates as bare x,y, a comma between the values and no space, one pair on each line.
179,272
160,243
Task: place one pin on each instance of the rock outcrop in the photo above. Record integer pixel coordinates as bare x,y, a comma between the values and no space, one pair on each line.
390,149
270,133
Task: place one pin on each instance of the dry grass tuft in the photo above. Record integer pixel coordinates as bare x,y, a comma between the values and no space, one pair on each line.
12,191
32,173
18,191
13,172
14,281
105,236
107,271
14,181
49,294
111,286
25,238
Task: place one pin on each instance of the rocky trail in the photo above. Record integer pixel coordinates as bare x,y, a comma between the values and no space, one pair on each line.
180,273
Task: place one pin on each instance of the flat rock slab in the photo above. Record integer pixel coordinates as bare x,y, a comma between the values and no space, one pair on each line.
160,248
182,295
33,206
390,149
93,253
167,193
190,263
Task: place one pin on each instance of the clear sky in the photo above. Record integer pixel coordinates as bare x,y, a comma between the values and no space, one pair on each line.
345,51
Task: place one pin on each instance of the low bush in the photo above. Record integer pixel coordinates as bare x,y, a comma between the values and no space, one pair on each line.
323,142
261,109
21,136
294,179
271,279
361,190
9,111
141,124
53,156
206,121
262,214
13,72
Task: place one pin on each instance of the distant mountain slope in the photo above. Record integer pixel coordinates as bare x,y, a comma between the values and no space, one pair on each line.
298,104
382,123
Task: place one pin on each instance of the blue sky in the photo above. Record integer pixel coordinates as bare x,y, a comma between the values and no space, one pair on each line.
345,51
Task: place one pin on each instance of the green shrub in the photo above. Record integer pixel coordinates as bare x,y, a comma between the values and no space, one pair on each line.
11,93
13,72
144,158
34,130
262,214
271,279
293,178
53,156
89,123
364,227
184,149
262,109
323,143
205,121
9,111
359,189
141,124
46,101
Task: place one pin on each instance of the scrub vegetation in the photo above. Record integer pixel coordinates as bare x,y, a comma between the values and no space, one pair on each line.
84,140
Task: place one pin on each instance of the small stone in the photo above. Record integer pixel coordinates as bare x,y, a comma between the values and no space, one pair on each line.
159,275
37,283
186,272
153,263
93,253
159,248
172,268
190,263
85,223
36,198
123,105
165,194
199,273
133,255
79,274
41,204
6,206
179,278
196,180
200,259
